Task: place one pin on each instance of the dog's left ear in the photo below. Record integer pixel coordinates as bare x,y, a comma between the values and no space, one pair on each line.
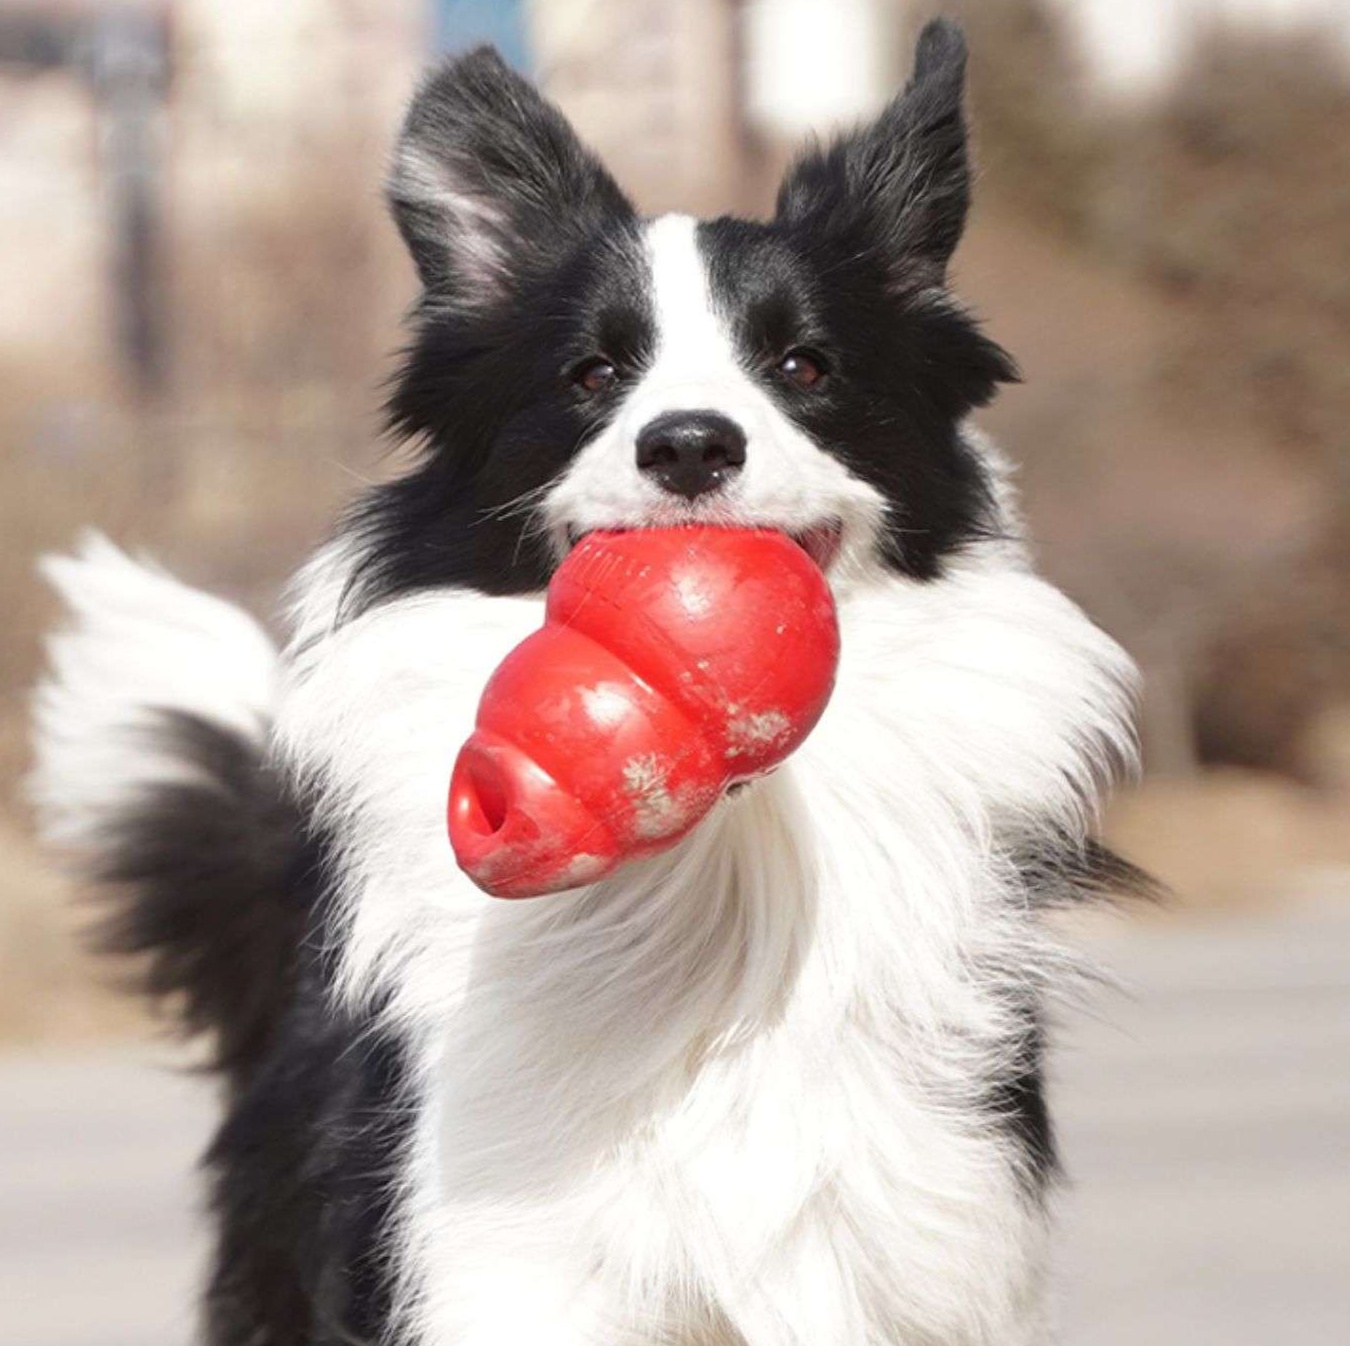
489,181
899,188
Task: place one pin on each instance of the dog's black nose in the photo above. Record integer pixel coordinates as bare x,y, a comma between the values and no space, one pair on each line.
691,452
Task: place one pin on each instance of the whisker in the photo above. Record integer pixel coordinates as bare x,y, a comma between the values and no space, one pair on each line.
520,504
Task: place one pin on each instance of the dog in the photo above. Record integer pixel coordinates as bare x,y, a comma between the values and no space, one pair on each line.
779,1086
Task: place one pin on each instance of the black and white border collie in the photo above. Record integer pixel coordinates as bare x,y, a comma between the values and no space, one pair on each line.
780,1086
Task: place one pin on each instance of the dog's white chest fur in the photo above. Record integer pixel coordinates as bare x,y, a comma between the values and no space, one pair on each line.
739,1092
724,1108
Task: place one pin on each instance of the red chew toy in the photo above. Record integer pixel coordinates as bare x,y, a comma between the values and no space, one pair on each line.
672,663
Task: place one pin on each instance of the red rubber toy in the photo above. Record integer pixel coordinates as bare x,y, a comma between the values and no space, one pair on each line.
672,664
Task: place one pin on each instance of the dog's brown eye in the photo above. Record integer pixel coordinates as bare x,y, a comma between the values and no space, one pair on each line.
595,376
802,369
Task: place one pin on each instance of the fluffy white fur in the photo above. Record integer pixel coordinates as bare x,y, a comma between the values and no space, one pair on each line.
729,1096
139,642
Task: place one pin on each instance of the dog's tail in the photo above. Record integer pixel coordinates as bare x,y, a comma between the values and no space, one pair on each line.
151,773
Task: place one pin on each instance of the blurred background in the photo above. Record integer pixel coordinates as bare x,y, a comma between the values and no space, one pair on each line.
199,296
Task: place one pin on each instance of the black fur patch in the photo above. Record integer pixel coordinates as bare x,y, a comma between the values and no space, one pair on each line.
487,387
212,885
490,185
898,188
220,890
1055,871
1016,1102
854,267
304,1175
903,371
491,399
1059,871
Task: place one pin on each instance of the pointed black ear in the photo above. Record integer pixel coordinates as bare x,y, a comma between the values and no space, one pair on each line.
488,178
900,187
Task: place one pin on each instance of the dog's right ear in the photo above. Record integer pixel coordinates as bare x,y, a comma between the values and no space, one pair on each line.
489,180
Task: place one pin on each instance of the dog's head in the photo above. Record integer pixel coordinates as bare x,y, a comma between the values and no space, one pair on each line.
574,366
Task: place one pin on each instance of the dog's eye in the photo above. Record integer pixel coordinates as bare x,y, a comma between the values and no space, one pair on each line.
803,369
595,376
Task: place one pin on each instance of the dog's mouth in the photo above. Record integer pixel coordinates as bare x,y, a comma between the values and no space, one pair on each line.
821,542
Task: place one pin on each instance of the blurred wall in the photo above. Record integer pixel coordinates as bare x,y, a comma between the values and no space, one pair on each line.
278,286
1169,267
1136,47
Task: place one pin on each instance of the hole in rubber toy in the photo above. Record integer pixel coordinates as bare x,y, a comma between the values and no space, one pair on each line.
483,800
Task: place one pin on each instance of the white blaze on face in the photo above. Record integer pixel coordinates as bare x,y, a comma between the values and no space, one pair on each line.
787,482
695,366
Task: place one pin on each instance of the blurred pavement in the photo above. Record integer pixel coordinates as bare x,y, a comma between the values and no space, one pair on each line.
1205,1118
98,1245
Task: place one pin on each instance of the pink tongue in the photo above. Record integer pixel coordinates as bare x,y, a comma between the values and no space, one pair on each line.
821,544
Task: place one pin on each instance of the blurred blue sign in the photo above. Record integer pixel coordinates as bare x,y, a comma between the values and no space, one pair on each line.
461,24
